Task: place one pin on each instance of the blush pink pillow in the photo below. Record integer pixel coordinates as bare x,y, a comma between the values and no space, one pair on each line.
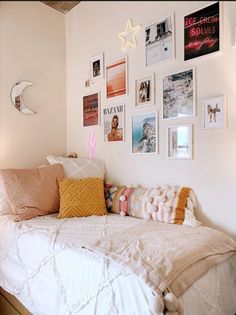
32,192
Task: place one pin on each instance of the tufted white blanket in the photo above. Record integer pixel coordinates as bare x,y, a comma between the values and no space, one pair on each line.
43,263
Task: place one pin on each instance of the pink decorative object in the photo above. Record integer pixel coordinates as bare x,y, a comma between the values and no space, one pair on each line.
91,144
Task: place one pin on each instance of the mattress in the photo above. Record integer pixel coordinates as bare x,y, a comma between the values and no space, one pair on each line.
43,263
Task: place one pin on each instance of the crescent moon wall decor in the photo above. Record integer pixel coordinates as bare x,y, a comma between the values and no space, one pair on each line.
16,97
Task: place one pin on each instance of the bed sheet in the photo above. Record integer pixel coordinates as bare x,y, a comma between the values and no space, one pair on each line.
43,264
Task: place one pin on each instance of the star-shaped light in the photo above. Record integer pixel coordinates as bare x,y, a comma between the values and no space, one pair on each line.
128,36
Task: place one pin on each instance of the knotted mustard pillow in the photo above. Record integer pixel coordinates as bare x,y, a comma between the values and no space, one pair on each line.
81,197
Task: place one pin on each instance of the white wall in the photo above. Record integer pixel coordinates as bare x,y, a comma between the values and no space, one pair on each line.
32,48
93,27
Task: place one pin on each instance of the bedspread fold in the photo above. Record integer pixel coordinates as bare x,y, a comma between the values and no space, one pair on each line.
168,258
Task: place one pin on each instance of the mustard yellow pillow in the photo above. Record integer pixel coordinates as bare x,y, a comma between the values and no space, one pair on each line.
81,197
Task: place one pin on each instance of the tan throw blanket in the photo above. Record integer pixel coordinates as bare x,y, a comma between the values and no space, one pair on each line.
168,257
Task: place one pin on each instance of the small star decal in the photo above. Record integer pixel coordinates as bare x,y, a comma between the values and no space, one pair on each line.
128,36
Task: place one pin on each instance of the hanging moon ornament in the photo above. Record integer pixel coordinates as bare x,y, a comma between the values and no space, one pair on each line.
16,97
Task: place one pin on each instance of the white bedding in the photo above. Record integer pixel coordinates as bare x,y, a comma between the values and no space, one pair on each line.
43,265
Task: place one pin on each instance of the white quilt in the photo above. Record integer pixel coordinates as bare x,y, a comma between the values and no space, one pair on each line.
43,265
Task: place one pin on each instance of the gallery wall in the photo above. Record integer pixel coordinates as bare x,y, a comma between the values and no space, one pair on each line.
92,28
32,48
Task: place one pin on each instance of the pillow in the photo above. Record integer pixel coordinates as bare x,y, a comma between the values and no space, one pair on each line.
81,197
4,204
32,192
79,167
164,204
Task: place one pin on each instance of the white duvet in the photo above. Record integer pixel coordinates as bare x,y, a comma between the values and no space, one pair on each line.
43,265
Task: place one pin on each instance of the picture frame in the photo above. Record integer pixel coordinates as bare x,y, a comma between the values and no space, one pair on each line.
114,123
203,31
116,78
145,91
179,95
214,112
144,134
91,109
160,41
180,142
96,67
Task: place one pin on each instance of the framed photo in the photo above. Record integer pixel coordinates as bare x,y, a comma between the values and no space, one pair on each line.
91,109
160,41
180,142
116,78
114,124
144,133
213,112
144,91
202,32
96,68
179,95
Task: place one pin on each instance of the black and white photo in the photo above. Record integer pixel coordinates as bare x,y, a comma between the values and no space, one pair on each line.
160,41
179,95
96,68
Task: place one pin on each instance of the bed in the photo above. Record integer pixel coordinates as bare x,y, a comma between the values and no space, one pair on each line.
47,264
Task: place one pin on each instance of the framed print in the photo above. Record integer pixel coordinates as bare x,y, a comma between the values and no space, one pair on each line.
114,124
91,109
179,95
180,142
96,68
144,133
160,41
116,78
144,91
202,32
213,112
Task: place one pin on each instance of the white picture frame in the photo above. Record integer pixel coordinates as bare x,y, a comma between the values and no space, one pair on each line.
179,95
145,91
117,77
145,139
160,41
114,123
96,67
180,142
214,112
200,18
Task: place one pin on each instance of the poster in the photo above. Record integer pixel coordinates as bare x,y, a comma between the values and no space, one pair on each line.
144,133
202,32
91,110
116,78
113,118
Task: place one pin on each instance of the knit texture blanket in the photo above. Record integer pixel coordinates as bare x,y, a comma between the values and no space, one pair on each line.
169,258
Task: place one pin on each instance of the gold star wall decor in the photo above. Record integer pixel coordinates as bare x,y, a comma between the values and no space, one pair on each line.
128,36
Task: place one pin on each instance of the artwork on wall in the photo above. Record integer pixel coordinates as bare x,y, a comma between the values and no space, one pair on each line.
144,133
213,112
180,142
202,32
96,68
179,95
91,109
116,78
128,36
160,41
114,124
144,91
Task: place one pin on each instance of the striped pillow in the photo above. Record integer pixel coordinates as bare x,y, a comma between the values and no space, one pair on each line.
164,204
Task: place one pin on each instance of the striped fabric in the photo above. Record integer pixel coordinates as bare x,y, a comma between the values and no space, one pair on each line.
164,203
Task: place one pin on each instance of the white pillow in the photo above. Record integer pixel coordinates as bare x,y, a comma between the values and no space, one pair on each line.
79,167
4,205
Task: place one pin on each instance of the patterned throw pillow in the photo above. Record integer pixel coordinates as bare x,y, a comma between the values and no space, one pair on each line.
32,192
4,204
81,197
79,167
164,204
